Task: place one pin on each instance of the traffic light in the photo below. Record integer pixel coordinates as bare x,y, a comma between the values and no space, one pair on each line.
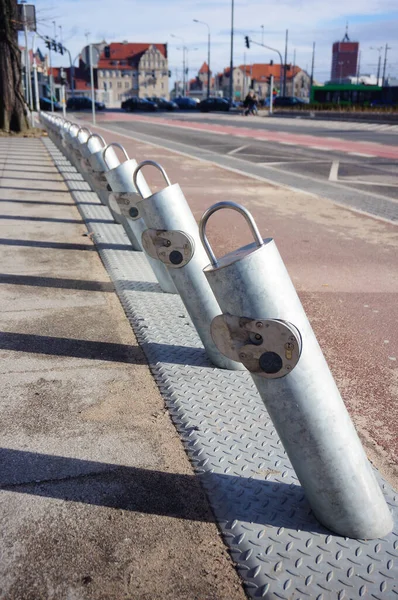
247,41
169,73
107,52
54,45
48,43
60,48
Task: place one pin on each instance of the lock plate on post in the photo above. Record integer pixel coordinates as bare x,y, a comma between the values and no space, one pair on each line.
270,348
174,248
127,204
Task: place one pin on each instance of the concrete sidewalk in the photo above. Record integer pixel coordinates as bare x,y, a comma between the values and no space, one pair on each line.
97,497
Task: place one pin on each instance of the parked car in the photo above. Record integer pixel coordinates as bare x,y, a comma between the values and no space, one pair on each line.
83,103
186,103
288,101
214,103
45,104
136,103
163,104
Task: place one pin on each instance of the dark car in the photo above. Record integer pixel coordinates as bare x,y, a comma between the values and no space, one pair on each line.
186,103
136,103
45,104
83,103
214,103
163,104
288,101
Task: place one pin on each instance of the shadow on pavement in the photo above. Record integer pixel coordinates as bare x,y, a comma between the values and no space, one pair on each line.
43,190
54,220
147,491
55,282
72,347
62,245
43,203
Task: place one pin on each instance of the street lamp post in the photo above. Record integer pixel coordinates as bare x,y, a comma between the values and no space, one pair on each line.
183,60
387,48
231,65
90,48
208,55
379,50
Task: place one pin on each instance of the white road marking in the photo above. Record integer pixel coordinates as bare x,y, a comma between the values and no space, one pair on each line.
334,171
238,149
321,148
287,143
362,154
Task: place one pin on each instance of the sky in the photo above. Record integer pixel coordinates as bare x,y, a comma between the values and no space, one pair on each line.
371,22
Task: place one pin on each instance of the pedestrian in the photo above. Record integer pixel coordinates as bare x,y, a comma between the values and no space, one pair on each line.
247,104
253,108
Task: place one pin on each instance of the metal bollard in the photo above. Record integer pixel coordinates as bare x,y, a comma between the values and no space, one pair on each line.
123,201
82,136
97,168
71,133
173,240
76,145
264,325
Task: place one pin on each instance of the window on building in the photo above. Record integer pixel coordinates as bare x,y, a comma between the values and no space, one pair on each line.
100,73
119,84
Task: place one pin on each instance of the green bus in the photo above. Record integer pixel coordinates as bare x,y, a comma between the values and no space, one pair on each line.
345,94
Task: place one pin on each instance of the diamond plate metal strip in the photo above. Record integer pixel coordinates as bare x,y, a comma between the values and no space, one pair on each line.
280,550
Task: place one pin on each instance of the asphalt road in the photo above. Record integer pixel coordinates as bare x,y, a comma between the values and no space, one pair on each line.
357,180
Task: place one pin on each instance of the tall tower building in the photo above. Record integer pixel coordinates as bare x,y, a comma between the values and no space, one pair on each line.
344,59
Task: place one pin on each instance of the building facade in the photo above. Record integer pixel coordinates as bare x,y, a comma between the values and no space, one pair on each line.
256,78
344,59
128,69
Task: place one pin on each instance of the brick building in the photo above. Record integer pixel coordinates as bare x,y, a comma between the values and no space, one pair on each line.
344,59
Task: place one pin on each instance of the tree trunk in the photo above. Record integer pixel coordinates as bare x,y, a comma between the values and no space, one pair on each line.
13,113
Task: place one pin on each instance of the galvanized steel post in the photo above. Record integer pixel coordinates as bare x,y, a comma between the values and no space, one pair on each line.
123,202
265,326
98,167
173,240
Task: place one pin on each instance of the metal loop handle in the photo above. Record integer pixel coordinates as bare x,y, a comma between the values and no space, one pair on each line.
153,164
116,145
66,123
241,210
97,135
83,129
73,125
